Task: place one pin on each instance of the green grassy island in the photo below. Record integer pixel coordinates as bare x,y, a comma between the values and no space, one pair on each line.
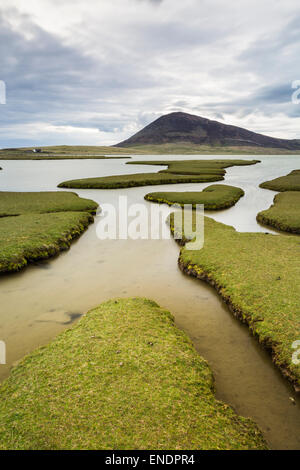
214,197
140,385
139,179
290,182
196,167
284,214
35,226
258,277
18,203
189,171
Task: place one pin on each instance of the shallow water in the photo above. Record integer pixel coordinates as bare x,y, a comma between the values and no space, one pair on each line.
41,301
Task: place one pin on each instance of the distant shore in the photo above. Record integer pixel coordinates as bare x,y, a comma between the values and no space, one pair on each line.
101,152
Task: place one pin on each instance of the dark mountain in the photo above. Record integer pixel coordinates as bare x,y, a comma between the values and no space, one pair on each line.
183,127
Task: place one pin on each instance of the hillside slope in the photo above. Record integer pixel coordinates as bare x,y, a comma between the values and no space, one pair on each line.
183,127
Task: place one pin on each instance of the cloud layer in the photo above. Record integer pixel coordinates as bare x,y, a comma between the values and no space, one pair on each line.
95,72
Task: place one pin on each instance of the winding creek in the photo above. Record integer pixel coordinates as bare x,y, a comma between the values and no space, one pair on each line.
42,300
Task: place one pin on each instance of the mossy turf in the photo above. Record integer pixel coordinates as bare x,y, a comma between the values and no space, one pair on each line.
17,203
284,214
140,179
35,226
196,167
258,276
189,171
214,197
290,182
124,377
33,237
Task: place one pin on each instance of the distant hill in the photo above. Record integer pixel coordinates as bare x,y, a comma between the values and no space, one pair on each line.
182,127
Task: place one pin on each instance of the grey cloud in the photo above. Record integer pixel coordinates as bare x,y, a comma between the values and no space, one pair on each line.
121,76
49,81
155,2
275,55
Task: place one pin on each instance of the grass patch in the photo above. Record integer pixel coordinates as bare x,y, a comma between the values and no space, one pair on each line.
15,203
32,237
140,179
35,226
258,276
214,197
140,385
284,214
192,167
290,182
189,171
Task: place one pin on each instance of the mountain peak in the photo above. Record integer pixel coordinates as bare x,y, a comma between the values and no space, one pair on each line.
179,127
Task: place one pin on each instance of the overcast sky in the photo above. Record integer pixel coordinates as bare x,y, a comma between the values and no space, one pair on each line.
94,72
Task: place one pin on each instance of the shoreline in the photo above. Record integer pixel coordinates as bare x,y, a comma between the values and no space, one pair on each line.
268,222
211,206
249,301
145,379
39,225
49,251
199,273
